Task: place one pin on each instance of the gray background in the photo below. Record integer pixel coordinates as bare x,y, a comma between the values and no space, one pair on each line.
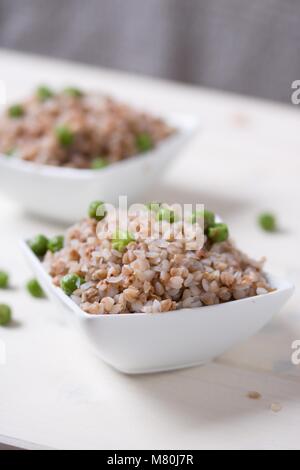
246,46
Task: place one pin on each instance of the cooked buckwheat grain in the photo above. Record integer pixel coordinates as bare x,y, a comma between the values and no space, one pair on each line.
152,275
71,131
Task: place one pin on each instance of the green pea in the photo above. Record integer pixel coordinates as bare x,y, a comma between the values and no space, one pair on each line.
121,240
218,233
64,136
167,215
56,243
44,93
5,314
98,163
70,283
10,152
97,210
39,245
209,218
267,221
4,280
144,142
16,111
153,206
35,289
73,92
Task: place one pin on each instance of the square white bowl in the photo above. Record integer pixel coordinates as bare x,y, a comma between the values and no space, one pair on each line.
64,194
143,343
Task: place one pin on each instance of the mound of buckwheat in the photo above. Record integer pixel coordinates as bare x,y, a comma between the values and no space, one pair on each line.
72,128
108,272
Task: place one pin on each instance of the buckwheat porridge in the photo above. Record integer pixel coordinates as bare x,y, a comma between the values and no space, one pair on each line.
76,129
133,272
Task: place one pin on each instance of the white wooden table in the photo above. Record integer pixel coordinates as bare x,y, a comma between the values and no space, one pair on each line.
55,393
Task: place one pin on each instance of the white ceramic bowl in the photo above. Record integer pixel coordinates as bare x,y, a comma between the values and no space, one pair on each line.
64,194
144,343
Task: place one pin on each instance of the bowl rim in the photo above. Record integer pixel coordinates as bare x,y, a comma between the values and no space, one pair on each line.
187,124
277,283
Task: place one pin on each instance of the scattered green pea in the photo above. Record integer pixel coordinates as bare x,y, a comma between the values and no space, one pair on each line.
97,210
167,215
44,93
98,163
56,243
121,240
70,283
5,314
39,245
35,289
267,222
64,136
144,142
73,92
4,280
209,218
16,111
153,206
218,233
10,152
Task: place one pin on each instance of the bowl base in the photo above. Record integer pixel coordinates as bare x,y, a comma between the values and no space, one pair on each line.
158,370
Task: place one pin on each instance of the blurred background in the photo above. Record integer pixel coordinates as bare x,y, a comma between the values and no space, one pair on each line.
249,47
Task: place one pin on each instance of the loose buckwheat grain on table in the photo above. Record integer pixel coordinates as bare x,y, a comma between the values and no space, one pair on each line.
77,130
152,275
